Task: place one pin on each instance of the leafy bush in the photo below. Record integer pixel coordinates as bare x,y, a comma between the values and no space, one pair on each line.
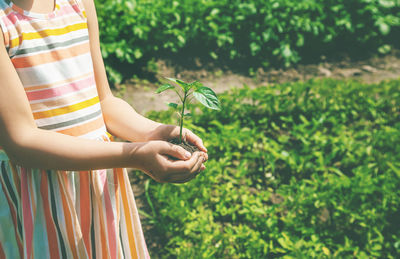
302,170
251,33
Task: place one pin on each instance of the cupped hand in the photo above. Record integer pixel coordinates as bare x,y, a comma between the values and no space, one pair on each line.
169,132
155,160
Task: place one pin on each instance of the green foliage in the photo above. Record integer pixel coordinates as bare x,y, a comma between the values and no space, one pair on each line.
258,32
203,94
300,170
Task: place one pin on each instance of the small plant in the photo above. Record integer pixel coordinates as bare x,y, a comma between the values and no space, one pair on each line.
186,92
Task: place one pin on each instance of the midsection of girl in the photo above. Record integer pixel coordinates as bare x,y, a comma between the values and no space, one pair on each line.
56,110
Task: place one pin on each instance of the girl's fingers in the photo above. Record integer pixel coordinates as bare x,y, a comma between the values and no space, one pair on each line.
194,139
181,167
177,152
196,169
198,164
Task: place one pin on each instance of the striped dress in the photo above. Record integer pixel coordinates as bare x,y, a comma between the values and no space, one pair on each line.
62,214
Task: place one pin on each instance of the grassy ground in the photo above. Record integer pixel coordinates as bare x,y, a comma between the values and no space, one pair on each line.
140,93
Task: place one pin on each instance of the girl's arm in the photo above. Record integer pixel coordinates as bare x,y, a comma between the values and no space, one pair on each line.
32,147
120,118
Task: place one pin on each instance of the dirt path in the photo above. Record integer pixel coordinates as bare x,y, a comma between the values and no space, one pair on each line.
140,93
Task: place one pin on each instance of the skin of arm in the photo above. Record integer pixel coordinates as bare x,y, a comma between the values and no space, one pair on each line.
120,118
32,147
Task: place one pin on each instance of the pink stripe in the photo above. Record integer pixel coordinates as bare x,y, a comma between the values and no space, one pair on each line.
27,213
14,14
64,89
103,176
110,222
6,21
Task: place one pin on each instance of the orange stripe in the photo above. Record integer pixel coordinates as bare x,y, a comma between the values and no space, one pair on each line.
2,254
116,193
67,217
69,80
51,232
85,209
104,244
84,128
49,57
18,9
127,215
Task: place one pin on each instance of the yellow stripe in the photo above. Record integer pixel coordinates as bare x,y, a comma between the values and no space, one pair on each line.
48,105
49,32
66,109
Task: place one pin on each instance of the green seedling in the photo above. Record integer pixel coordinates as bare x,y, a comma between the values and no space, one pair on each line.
186,92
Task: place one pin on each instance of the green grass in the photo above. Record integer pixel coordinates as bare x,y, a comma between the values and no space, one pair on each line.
299,170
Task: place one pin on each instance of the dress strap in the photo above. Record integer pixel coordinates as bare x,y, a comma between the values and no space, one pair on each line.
78,6
3,26
3,155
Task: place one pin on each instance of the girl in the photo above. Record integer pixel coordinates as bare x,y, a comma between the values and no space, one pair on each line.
56,109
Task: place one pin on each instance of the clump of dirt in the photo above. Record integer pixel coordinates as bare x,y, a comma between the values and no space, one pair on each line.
186,145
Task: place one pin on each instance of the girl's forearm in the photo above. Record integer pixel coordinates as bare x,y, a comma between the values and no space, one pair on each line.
124,122
43,149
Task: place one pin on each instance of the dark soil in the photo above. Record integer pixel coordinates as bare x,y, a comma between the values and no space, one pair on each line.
186,145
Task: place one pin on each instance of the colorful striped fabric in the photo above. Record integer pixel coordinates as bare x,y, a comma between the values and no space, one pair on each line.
62,214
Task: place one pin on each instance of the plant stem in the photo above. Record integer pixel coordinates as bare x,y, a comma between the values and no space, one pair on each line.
182,115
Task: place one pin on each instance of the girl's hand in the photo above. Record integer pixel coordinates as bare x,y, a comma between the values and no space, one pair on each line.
168,132
155,159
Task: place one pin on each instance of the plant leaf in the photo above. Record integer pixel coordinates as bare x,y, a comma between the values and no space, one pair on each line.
173,105
182,84
164,87
196,85
207,97
175,80
188,114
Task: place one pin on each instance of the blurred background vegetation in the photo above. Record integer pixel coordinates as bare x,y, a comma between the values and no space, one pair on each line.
297,170
244,34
